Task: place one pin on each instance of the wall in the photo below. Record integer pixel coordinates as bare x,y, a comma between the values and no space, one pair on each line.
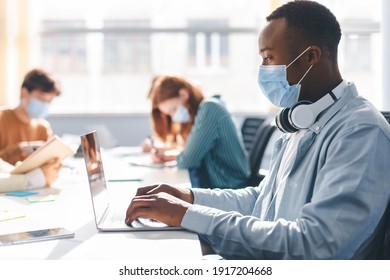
114,130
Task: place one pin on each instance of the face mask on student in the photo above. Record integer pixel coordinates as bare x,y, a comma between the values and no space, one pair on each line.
37,109
182,115
273,82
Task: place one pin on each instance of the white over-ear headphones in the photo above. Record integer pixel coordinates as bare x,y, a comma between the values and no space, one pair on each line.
303,114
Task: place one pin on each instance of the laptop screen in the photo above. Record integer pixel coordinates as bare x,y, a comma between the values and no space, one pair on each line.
94,166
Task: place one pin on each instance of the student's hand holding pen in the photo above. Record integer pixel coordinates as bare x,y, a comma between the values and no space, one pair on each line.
157,155
147,145
162,155
161,202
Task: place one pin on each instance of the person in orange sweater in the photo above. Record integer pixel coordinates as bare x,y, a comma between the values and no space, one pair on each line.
24,128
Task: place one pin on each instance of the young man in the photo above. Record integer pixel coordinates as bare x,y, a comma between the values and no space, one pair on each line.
23,129
328,185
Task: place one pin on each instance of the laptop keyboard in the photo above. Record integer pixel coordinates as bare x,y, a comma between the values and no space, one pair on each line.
116,218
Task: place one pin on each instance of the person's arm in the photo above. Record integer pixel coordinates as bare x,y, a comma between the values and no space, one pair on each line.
13,182
36,178
9,182
168,204
239,200
350,195
202,137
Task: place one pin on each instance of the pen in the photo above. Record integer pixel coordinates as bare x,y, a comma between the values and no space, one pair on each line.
152,190
124,180
153,144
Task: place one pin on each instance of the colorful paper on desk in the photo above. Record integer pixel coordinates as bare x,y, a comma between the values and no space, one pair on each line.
45,198
6,215
22,193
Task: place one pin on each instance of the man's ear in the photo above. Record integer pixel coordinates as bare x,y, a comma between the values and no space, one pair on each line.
24,93
184,94
314,55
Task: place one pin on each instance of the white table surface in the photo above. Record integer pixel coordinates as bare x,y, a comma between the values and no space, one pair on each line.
73,210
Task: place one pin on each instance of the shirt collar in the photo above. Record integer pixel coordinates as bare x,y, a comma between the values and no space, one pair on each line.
345,93
339,90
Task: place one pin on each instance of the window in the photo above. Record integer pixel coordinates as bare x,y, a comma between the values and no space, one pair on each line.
106,54
127,50
355,45
63,52
208,49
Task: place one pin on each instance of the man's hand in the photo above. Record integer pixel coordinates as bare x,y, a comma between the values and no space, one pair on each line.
181,193
160,202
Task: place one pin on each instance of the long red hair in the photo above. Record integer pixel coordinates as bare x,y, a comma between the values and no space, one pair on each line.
167,87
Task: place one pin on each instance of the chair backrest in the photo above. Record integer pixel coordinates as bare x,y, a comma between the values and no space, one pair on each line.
384,250
248,130
386,115
256,153
380,244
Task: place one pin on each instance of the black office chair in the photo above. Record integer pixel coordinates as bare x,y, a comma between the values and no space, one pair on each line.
384,252
260,142
386,115
381,250
248,130
384,245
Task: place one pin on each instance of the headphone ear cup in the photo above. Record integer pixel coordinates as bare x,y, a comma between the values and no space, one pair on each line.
278,122
297,112
283,123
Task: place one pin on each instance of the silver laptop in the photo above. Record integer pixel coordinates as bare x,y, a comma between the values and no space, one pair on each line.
109,218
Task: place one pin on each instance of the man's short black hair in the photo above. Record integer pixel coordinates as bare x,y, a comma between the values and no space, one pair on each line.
38,79
311,23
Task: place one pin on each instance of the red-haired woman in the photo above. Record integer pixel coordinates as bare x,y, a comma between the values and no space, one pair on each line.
211,146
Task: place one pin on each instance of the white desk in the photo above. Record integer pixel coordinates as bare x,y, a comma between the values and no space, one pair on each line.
73,210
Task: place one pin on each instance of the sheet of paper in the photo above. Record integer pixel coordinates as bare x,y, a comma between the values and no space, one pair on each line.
6,215
45,198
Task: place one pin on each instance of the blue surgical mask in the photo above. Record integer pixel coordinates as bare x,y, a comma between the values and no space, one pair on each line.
182,115
273,82
37,109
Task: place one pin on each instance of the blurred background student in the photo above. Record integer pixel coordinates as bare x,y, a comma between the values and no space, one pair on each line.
23,128
43,176
198,132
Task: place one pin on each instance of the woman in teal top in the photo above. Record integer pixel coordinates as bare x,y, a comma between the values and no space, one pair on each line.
211,146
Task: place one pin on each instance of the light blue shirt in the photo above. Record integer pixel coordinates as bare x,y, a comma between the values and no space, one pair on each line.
334,197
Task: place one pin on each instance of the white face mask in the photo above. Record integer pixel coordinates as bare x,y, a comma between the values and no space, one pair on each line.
273,82
182,115
37,109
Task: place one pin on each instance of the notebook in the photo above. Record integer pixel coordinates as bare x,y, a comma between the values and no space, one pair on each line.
108,218
53,147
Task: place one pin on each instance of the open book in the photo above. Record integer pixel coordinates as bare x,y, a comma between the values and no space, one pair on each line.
54,147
